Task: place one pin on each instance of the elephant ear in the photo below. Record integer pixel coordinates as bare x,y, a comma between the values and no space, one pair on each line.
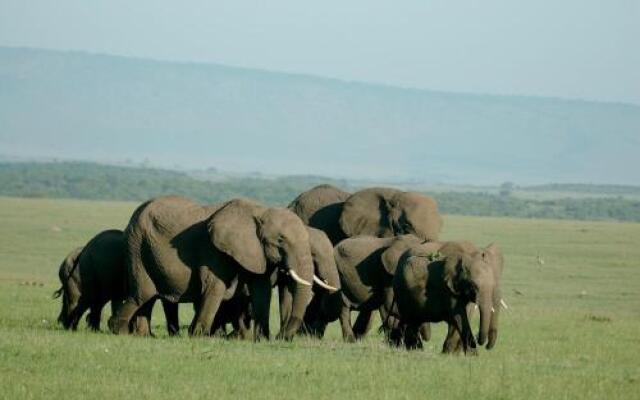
416,214
367,213
391,256
455,265
233,230
493,256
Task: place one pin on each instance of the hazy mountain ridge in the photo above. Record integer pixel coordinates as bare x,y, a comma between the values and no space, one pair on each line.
97,107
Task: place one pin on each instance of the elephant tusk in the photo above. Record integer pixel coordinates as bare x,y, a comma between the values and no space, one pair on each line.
324,285
493,309
297,278
504,304
475,306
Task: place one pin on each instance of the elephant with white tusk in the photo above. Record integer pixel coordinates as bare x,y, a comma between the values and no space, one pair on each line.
184,252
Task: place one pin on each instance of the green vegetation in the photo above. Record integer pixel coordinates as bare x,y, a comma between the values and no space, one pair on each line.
101,182
82,180
570,331
584,208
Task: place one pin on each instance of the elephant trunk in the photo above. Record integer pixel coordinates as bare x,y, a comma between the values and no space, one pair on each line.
485,305
302,272
493,327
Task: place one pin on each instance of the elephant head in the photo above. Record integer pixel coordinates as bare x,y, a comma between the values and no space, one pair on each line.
261,239
70,289
474,275
386,212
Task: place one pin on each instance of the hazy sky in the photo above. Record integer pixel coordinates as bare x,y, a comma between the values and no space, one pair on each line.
568,48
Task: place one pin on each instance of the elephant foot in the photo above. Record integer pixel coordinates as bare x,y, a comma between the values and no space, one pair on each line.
472,351
293,326
394,338
119,326
198,330
417,345
349,339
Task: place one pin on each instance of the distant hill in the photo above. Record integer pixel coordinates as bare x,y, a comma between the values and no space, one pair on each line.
107,108
105,182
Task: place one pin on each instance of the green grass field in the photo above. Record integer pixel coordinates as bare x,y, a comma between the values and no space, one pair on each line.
572,330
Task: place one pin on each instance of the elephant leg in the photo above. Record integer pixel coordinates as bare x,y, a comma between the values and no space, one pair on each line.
119,322
212,297
453,343
244,325
260,292
77,313
461,322
425,331
345,324
171,316
285,298
412,338
95,313
363,323
116,304
142,325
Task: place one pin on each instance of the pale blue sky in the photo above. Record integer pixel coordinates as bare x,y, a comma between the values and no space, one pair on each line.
567,48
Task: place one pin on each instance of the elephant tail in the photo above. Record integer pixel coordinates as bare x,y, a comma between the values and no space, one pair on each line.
57,293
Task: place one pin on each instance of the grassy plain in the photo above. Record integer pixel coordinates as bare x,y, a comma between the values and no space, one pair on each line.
571,331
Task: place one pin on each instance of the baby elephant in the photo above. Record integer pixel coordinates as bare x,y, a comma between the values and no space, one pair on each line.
91,276
440,286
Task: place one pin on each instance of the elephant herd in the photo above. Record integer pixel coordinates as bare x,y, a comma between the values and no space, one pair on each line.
328,253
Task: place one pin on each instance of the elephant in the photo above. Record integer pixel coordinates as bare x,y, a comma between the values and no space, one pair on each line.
366,265
320,208
93,275
184,252
379,212
434,286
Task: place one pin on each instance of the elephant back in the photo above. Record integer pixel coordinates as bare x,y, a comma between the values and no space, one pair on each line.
320,208
391,256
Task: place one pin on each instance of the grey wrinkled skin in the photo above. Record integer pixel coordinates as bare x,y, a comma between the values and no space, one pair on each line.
183,252
379,212
440,286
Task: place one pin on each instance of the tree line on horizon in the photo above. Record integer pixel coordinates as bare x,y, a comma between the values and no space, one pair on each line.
84,180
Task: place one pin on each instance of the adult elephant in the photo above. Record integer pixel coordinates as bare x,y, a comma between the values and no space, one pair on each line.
93,275
366,265
181,251
439,286
379,212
